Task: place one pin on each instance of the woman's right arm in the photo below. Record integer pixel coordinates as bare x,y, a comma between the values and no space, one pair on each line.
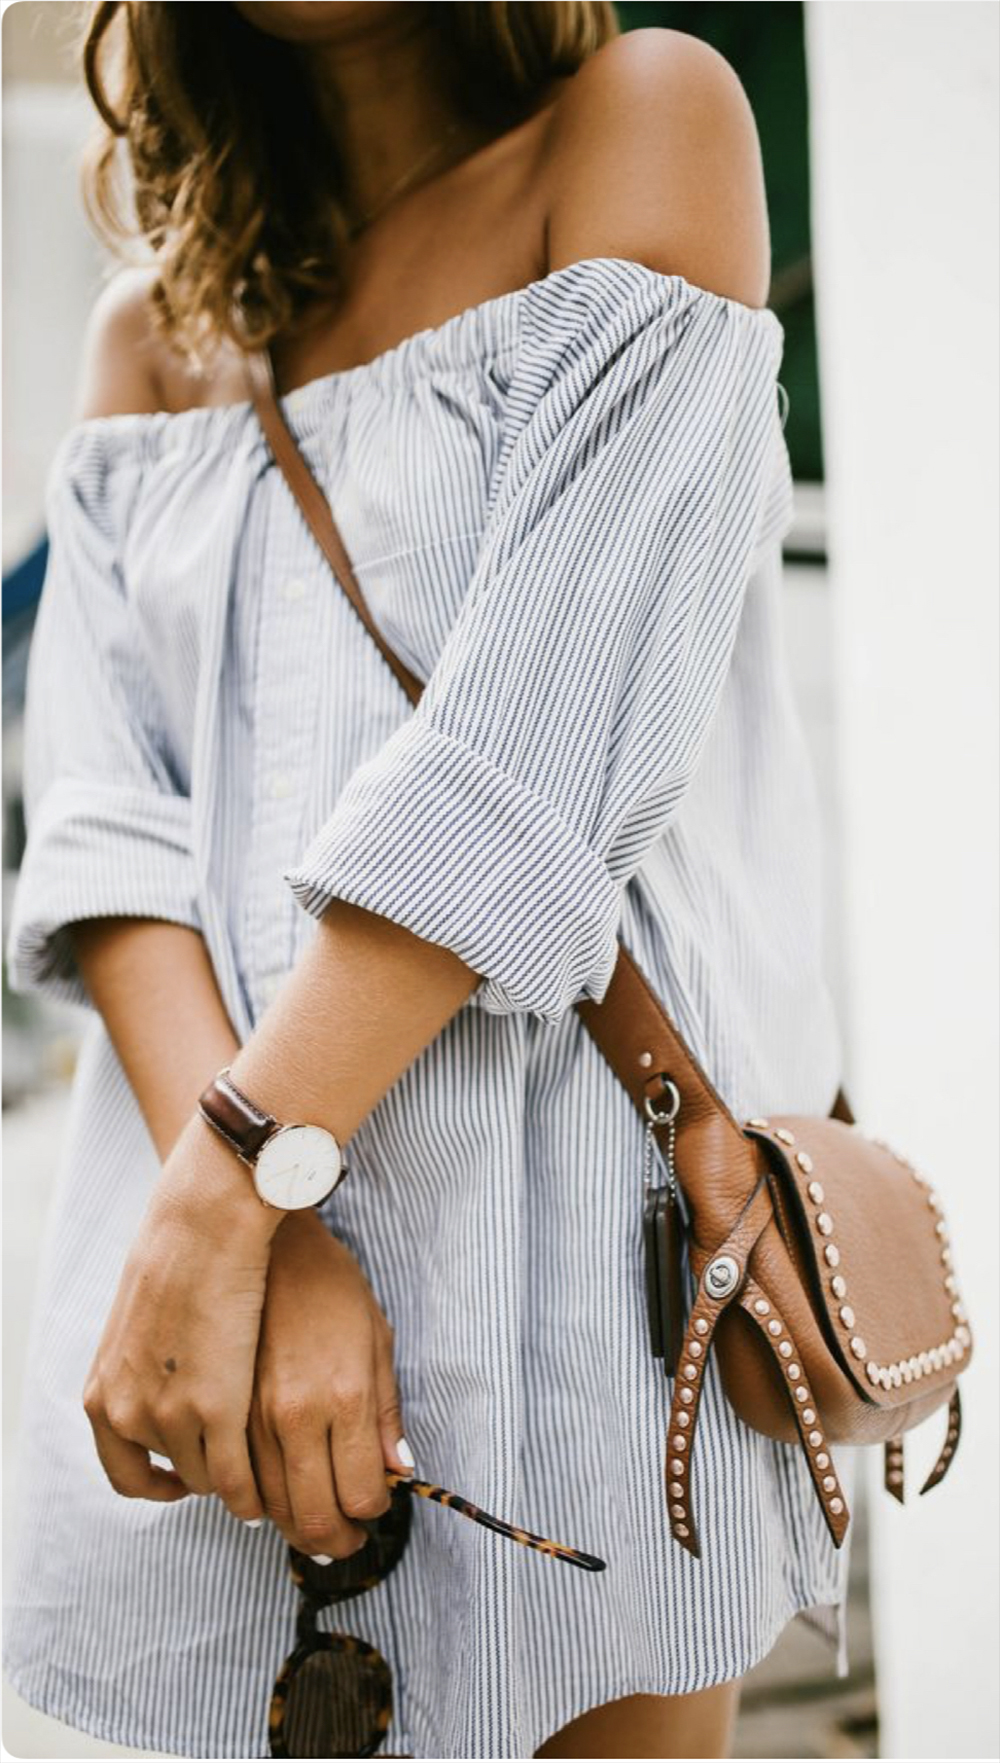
151,980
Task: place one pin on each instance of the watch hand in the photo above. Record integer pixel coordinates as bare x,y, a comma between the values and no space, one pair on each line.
285,1169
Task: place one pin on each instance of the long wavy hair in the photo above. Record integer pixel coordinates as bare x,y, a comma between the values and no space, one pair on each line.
236,183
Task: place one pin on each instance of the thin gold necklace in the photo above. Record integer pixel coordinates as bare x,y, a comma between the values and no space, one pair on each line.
403,183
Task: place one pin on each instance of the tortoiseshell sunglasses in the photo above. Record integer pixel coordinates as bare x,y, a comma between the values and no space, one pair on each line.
333,1695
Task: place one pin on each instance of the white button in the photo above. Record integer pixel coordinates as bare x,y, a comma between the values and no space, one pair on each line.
279,785
173,456
295,589
270,985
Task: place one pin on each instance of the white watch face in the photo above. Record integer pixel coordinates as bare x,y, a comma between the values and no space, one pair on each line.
298,1166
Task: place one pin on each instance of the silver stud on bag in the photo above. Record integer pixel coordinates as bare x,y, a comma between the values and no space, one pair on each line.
721,1276
786,1137
815,1192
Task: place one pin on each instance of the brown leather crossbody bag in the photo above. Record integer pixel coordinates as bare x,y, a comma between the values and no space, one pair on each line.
823,1333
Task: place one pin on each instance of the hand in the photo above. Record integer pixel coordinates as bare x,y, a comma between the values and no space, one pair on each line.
173,1372
325,1419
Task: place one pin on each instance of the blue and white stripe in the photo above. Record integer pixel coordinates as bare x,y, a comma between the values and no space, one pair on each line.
565,506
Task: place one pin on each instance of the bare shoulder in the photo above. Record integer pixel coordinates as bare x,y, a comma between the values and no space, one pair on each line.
129,366
120,366
652,154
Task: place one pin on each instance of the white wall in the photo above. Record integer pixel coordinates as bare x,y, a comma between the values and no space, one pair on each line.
905,214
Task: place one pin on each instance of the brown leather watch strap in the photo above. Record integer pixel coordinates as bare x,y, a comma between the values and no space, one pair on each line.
233,1115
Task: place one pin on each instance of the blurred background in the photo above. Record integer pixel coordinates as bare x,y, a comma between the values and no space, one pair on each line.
878,124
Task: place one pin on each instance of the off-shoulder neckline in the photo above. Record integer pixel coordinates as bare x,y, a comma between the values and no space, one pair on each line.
486,330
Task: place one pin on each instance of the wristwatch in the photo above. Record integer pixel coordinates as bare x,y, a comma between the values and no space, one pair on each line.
293,1166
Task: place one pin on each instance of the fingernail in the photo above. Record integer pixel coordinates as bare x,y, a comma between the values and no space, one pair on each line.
321,1560
405,1455
253,1523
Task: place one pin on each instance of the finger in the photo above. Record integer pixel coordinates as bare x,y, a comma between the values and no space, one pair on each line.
183,1444
129,1470
269,1473
319,1525
230,1472
395,1449
358,1463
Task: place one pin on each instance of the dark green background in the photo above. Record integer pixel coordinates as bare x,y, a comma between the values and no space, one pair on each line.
765,45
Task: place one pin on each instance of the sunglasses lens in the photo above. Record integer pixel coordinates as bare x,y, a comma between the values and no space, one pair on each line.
337,1702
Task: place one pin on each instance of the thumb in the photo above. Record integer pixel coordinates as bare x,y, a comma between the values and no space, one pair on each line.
395,1449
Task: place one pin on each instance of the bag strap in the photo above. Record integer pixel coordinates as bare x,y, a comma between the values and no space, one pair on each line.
316,509
630,1027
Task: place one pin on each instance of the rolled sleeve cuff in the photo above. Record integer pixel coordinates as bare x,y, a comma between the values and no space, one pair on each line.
95,851
433,836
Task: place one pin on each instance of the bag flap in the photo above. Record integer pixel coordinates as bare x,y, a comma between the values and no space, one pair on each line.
870,1233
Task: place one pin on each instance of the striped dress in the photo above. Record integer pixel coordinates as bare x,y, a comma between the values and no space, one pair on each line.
565,506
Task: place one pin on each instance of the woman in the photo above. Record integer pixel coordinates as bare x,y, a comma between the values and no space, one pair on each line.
513,268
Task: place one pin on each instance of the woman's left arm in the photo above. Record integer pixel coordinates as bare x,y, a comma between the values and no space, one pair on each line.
174,1372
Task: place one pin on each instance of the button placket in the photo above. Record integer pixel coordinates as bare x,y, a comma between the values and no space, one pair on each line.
285,709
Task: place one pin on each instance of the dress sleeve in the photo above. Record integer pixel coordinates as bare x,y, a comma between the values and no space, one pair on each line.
565,717
108,825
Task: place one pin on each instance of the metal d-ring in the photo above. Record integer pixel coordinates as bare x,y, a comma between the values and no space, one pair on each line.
656,1115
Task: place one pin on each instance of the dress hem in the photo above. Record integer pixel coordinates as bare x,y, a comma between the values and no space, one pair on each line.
111,1732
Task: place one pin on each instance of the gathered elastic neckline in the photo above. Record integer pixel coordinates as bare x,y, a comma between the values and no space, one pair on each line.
484,332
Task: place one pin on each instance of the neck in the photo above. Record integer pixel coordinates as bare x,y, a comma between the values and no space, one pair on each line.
384,90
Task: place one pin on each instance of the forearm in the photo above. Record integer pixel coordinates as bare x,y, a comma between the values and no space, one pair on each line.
154,986
364,999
